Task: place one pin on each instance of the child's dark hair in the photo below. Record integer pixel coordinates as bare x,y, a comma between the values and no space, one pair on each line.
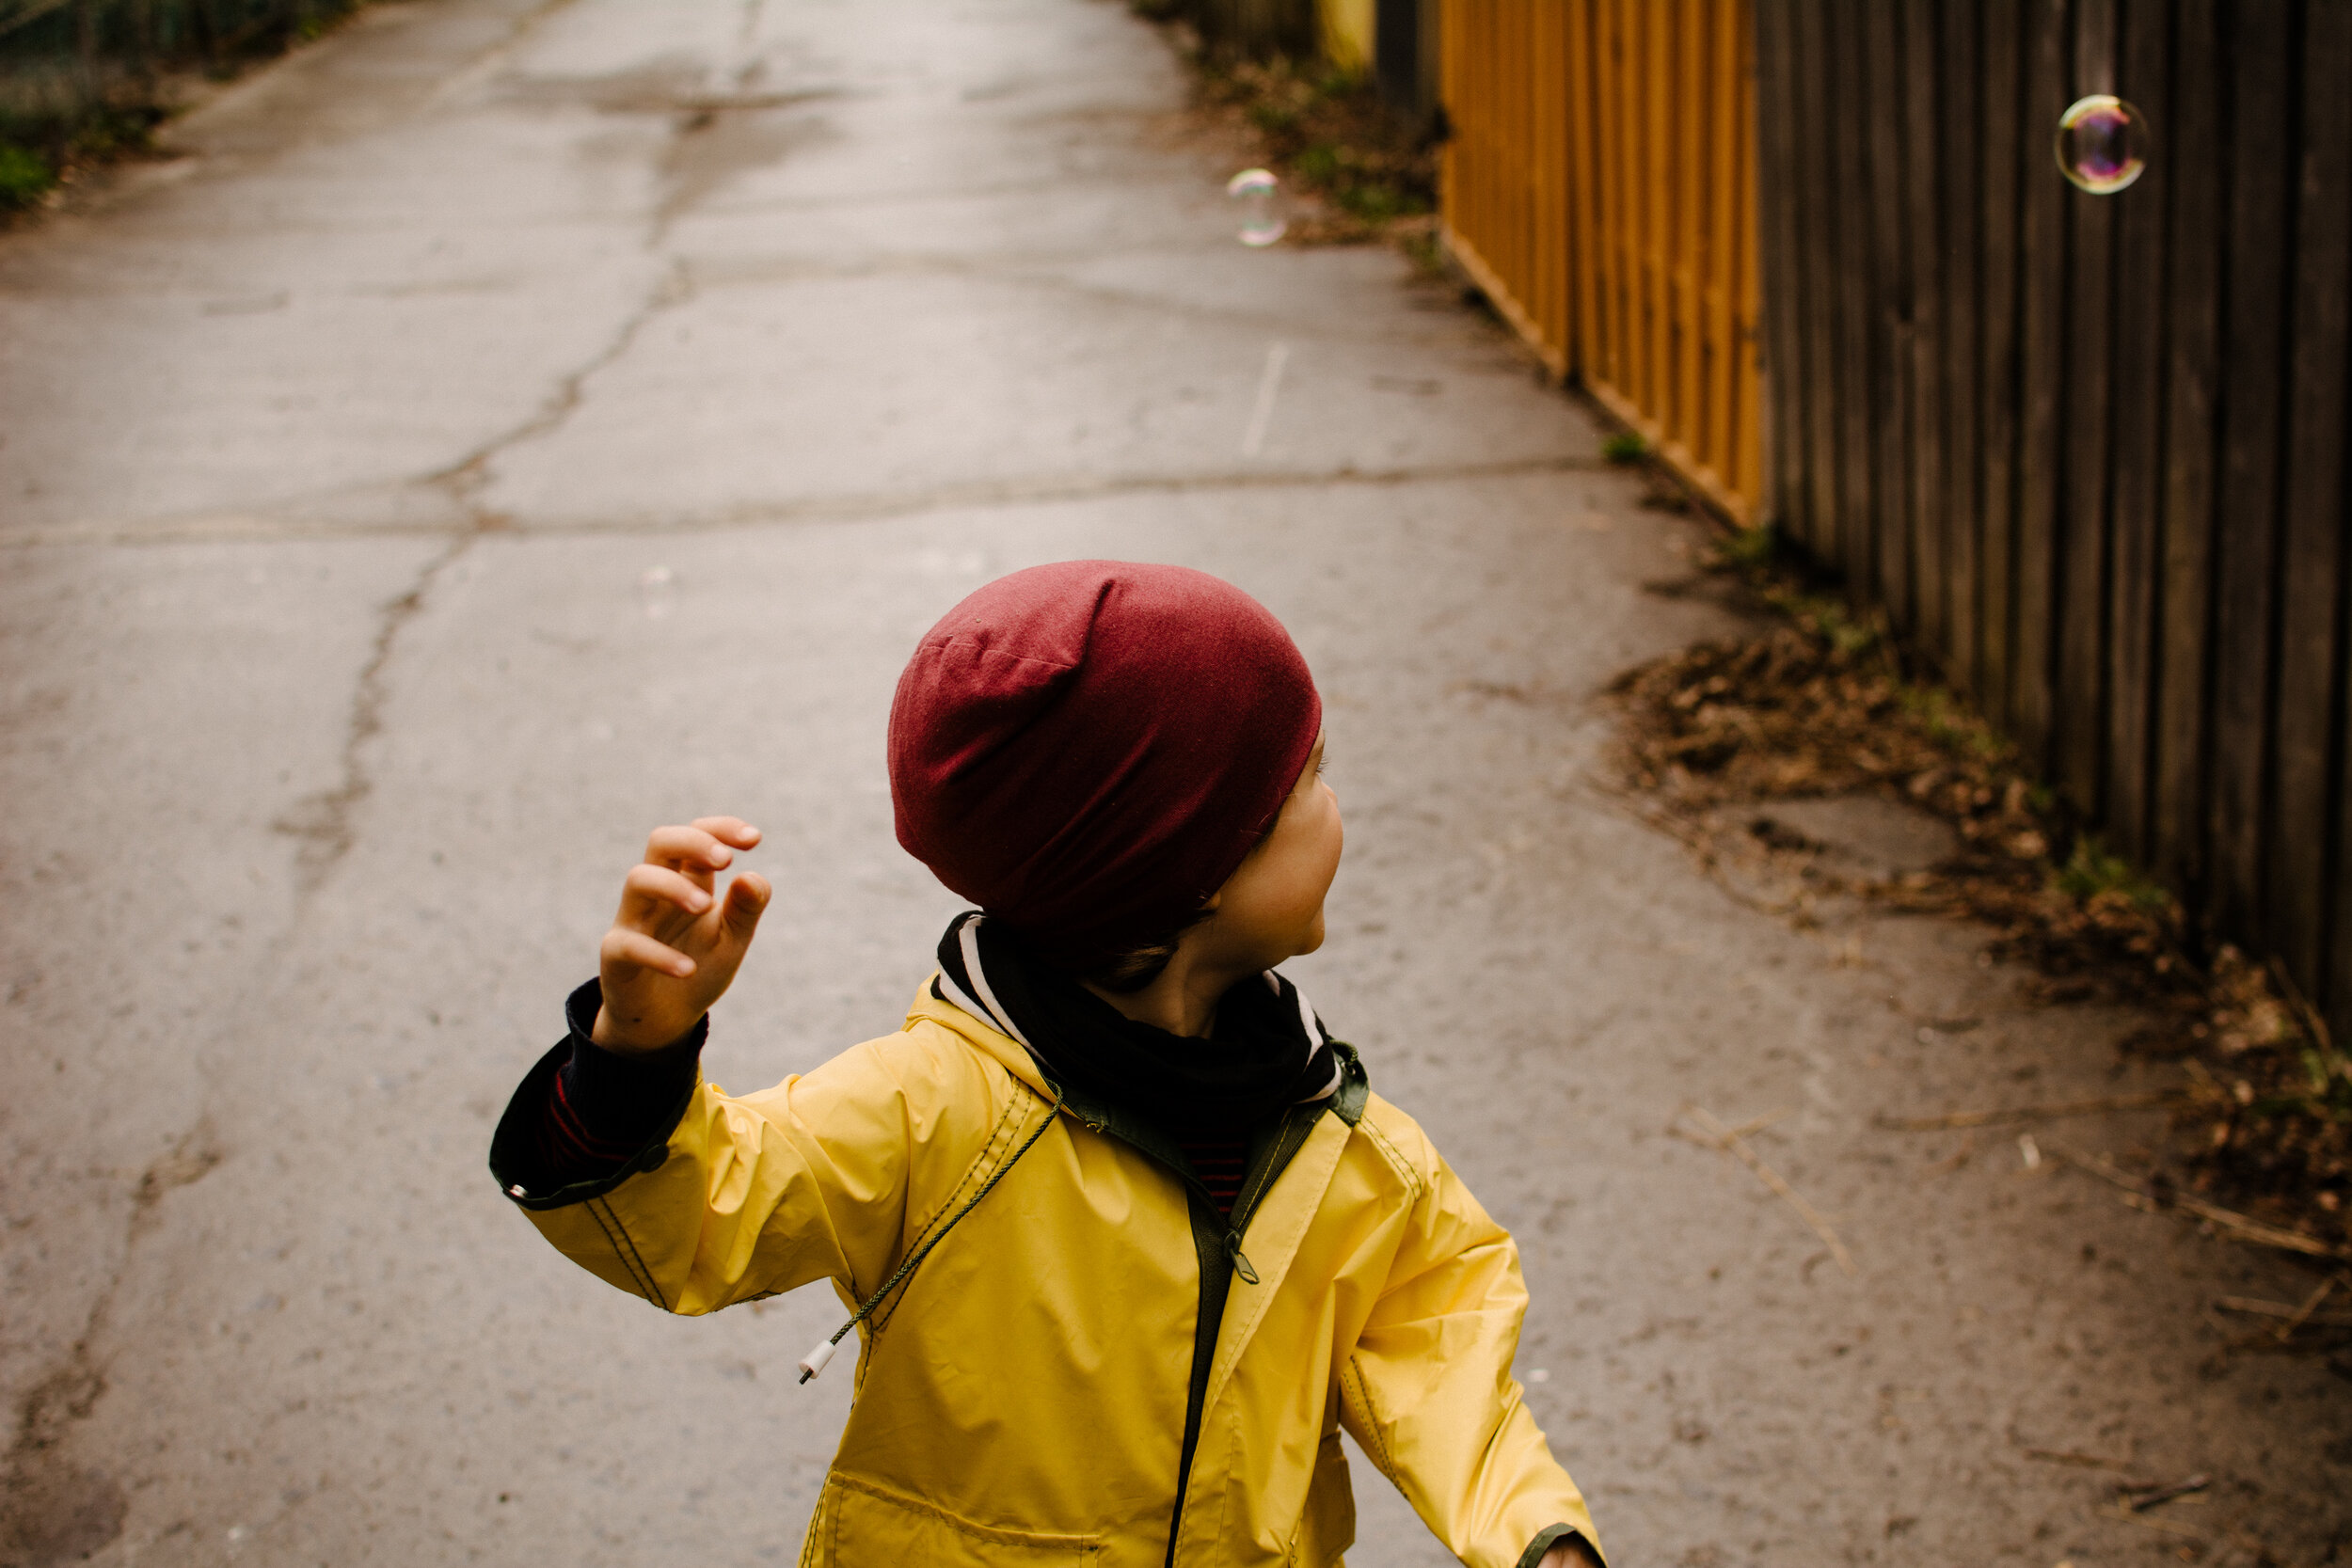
1131,969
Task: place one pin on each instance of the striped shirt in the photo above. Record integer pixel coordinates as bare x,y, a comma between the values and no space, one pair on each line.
1220,1163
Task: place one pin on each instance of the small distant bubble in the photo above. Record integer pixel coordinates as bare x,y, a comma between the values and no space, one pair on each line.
1258,197
2102,144
655,589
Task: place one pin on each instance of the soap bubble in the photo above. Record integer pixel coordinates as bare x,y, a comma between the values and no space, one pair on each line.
655,590
2102,144
1258,196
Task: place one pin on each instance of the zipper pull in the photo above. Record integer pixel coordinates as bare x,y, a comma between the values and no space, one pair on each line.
1241,1260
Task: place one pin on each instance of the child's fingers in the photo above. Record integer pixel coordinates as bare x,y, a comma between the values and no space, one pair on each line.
747,900
689,850
731,831
624,947
652,892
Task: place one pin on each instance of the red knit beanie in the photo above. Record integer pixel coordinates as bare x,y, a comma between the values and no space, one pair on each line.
1088,750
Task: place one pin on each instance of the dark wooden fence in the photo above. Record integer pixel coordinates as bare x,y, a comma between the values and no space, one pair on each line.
2090,449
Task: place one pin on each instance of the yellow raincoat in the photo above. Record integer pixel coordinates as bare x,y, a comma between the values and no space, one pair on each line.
1029,1395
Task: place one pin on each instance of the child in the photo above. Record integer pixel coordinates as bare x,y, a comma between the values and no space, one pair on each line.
1128,1237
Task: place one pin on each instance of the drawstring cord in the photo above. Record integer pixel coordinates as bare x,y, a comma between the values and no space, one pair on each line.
814,1362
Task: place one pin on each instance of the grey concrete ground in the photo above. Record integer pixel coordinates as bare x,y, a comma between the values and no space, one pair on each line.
515,423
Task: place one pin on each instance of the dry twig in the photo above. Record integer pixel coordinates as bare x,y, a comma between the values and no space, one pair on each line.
2303,1313
2255,1307
2169,1527
2141,1498
1818,703
2088,1461
2243,1227
1731,1140
2030,1113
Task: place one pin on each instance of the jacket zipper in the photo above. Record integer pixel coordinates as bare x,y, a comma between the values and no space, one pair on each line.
1297,1122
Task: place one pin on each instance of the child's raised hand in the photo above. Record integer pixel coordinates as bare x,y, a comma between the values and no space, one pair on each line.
675,944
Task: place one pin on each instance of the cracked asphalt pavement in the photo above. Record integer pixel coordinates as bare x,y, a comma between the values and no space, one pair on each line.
507,425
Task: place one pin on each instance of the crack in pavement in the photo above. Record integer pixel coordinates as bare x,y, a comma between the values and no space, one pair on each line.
485,65
465,477
1033,271
244,527
323,823
52,1510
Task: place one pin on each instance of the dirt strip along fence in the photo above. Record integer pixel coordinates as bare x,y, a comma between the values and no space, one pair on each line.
1600,187
2090,450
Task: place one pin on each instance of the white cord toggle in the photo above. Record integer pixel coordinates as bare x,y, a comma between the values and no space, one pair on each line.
814,1362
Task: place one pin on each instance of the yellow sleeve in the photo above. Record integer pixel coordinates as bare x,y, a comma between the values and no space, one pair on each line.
1428,1392
823,1177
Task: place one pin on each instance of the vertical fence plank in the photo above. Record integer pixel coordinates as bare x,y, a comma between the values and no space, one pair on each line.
1748,413
1654,125
1541,87
1816,269
1887,96
1609,98
1587,258
1662,197
2309,777
1703,81
2085,410
1853,295
2197,149
1559,258
1532,200
1623,109
1681,121
1784,389
2261,238
2042,453
1454,165
1720,77
1958,184
2004,105
1923,220
1543,219
2143,66
1507,242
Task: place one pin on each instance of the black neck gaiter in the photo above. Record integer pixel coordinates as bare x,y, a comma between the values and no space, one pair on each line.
1265,1056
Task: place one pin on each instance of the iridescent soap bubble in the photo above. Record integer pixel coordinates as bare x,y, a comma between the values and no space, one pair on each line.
2102,144
1258,197
657,589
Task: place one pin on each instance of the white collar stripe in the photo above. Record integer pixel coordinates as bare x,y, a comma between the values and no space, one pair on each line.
1315,1041
969,940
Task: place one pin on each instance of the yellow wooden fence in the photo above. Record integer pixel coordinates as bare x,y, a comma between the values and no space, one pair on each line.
1599,185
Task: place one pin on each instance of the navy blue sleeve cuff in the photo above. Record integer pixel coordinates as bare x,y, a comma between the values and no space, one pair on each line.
585,1120
620,1097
